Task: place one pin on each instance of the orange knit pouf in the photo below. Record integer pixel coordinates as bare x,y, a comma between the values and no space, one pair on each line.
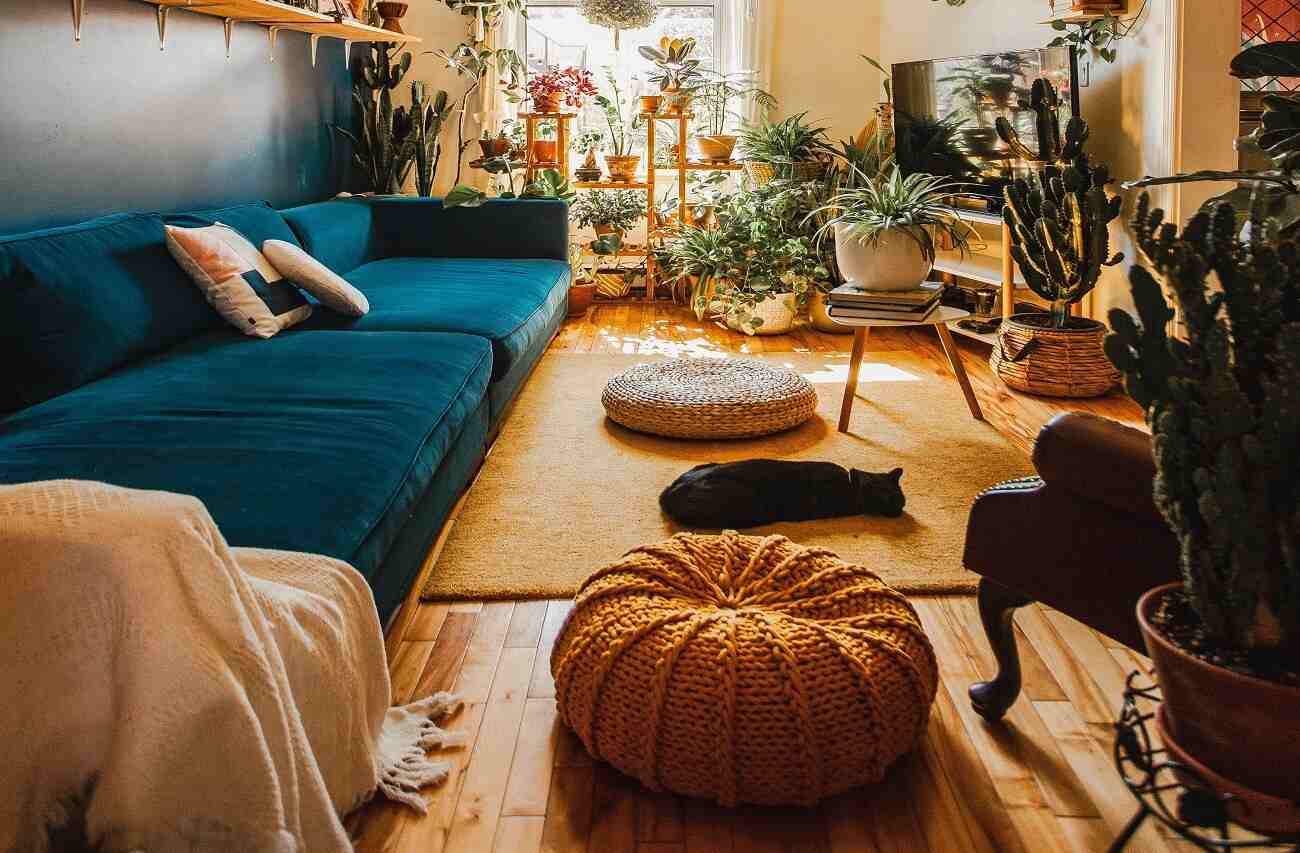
743,669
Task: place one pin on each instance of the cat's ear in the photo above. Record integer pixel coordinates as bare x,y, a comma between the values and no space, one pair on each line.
896,475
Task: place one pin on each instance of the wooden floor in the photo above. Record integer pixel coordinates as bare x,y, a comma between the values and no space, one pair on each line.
1043,781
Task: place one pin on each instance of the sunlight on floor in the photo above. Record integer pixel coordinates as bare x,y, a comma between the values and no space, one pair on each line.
837,373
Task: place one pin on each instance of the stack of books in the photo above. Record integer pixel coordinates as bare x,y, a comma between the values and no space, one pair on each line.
851,302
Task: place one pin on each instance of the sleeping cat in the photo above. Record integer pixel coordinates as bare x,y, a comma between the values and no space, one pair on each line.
756,492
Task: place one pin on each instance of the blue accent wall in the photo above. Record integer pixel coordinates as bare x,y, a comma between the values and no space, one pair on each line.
112,123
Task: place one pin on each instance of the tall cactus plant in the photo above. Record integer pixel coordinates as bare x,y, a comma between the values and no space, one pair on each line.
1223,403
384,147
428,115
1058,219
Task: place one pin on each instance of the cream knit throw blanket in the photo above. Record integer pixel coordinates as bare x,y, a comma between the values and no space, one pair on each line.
209,698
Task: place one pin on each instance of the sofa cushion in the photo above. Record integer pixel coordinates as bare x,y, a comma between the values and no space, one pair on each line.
320,442
82,300
509,302
339,233
257,221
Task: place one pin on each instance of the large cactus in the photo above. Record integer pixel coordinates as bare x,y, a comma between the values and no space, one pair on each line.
1046,105
1058,223
1223,402
384,149
428,115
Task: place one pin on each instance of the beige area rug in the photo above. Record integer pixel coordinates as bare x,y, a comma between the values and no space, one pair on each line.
566,491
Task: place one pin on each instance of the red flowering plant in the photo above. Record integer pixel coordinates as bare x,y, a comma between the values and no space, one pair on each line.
567,86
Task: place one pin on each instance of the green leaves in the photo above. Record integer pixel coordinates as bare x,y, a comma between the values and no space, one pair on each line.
550,184
463,195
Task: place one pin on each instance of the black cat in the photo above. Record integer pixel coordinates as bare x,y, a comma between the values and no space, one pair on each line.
756,492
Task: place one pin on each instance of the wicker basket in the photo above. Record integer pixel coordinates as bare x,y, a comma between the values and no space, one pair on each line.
744,669
709,398
1031,356
777,313
763,174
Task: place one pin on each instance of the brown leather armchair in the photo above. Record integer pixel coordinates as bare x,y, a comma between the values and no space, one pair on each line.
1083,537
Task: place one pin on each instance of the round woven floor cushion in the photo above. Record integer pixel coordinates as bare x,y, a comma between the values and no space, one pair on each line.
709,398
744,670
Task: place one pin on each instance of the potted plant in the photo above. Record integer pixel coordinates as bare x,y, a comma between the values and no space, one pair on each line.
557,88
609,211
1060,240
620,161
790,149
611,284
545,144
885,229
714,101
494,146
589,143
676,74
518,135
1220,401
582,289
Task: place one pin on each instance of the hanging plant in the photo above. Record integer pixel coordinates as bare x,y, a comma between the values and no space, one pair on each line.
620,14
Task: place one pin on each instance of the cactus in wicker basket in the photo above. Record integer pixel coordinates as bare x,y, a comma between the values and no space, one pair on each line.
1058,218
1223,403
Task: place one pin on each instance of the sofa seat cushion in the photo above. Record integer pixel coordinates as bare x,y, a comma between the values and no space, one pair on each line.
509,302
321,442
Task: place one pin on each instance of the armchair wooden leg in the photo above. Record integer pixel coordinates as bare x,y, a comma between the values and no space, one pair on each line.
991,699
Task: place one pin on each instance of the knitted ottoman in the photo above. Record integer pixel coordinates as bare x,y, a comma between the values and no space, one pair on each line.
744,670
709,398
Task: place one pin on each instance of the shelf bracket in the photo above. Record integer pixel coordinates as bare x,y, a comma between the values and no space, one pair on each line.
272,33
162,26
78,9
228,25
315,43
347,52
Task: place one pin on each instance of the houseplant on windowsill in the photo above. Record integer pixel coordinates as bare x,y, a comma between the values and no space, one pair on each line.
1060,241
790,149
558,88
589,143
609,211
620,161
545,147
1221,402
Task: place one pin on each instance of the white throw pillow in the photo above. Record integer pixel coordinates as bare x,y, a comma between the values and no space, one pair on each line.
333,291
236,280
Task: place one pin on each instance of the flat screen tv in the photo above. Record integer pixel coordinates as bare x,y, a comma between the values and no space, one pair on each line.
945,109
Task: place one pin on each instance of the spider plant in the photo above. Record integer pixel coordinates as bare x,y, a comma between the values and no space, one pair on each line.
912,205
791,140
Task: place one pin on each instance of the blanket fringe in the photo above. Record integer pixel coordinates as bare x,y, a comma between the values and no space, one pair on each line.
409,732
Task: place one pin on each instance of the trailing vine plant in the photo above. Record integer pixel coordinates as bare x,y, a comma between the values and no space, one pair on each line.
1098,35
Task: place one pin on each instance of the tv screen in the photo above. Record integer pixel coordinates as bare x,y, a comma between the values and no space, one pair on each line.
945,109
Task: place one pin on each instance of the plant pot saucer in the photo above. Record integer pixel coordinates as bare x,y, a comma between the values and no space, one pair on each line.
1257,812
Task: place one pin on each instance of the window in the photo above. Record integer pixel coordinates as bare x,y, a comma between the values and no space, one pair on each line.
558,34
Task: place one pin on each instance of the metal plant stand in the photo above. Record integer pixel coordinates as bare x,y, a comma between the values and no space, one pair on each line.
1173,793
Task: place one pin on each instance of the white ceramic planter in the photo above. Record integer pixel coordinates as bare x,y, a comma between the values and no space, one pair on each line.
894,262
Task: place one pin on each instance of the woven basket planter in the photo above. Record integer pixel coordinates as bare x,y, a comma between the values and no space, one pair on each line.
1031,356
743,669
763,174
777,313
709,398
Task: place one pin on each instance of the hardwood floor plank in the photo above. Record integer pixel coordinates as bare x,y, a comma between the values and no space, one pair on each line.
478,806
613,813
483,652
404,672
659,817
526,625
706,827
542,685
428,621
1094,704
448,653
1037,680
530,774
568,813
518,835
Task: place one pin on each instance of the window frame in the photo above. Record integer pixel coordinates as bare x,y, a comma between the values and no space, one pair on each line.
573,4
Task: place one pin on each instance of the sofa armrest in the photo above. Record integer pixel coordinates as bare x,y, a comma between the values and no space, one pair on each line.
1099,460
414,227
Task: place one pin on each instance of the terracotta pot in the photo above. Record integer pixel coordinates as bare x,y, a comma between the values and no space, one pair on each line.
581,295
544,151
651,104
716,148
675,105
548,103
494,147
1243,729
821,319
622,168
392,13
894,262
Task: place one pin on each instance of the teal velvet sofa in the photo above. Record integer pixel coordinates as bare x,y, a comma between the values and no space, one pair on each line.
340,436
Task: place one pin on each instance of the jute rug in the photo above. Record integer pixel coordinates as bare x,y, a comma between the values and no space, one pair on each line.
565,491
